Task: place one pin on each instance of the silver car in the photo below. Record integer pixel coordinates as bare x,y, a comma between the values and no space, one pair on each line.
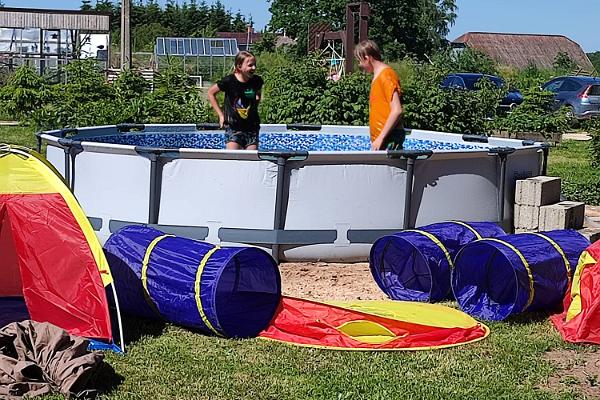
580,94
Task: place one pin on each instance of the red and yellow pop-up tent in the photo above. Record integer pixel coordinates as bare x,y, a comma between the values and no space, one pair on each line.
372,325
53,267
580,322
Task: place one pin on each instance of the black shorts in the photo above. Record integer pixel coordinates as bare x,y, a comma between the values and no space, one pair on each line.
244,139
395,140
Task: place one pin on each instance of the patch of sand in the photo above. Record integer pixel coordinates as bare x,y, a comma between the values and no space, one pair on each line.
578,371
329,281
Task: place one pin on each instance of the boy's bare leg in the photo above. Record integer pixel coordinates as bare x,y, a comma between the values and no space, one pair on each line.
252,147
233,146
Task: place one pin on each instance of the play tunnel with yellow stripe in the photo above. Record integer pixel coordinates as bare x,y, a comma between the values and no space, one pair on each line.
494,278
415,264
225,291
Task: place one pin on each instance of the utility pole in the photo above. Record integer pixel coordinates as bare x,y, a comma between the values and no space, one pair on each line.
125,35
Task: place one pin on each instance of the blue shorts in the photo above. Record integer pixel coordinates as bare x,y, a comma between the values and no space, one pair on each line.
244,139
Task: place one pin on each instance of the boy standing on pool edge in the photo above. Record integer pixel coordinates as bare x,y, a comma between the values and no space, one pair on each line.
242,94
385,109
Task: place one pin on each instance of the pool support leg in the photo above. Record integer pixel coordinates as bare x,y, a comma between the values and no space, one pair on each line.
278,220
71,148
410,156
157,157
545,151
281,158
502,153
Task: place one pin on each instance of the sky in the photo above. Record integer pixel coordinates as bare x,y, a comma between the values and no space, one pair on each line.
576,19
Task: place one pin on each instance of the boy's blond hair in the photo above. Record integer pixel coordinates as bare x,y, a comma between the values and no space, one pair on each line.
240,57
367,48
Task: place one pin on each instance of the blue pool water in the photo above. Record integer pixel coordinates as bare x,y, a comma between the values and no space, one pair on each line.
270,141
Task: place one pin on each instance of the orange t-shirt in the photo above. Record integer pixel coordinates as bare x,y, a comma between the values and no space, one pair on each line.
382,91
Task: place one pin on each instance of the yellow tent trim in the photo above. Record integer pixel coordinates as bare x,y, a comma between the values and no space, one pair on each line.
585,260
32,174
560,251
197,287
436,241
446,346
469,227
144,271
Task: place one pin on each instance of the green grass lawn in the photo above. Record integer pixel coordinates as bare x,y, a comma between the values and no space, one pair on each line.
168,362
20,135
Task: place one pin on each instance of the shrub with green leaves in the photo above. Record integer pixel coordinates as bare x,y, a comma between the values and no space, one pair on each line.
292,93
346,102
428,106
465,60
593,128
528,78
534,115
25,92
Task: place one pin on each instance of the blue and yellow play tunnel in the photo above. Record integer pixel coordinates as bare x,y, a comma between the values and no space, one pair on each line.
494,278
227,291
415,264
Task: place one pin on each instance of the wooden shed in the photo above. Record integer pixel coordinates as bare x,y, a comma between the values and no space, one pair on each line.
49,38
518,50
89,21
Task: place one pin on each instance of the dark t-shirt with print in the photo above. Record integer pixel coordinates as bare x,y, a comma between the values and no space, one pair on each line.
240,106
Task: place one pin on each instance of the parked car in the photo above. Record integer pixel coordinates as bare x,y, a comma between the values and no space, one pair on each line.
580,94
468,81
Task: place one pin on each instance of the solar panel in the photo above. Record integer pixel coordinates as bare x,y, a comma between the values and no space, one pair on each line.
199,47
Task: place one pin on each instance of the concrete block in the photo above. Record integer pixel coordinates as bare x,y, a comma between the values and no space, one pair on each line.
537,191
563,215
526,217
593,234
523,230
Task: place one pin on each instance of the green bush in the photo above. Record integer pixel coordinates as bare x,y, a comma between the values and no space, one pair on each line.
293,91
24,93
346,101
534,115
86,99
465,60
427,106
593,128
531,77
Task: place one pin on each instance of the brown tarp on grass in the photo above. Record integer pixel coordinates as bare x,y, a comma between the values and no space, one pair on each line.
40,358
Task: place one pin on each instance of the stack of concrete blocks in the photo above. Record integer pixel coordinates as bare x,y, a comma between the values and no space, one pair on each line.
538,208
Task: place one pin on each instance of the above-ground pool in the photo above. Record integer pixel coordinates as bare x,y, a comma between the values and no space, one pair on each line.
308,193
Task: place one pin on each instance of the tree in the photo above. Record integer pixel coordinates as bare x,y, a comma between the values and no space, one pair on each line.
294,17
595,59
239,24
86,5
410,27
563,63
144,36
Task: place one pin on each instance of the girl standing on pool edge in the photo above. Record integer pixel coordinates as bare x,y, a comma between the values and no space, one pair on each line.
242,91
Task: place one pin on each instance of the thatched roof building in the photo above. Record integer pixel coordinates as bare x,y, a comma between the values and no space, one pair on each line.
519,50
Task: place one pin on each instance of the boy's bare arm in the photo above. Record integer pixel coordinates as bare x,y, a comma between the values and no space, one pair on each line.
391,123
212,99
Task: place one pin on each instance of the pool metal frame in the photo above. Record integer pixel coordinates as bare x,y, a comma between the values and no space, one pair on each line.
70,140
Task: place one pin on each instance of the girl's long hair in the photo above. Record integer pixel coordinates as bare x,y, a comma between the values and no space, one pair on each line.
240,57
